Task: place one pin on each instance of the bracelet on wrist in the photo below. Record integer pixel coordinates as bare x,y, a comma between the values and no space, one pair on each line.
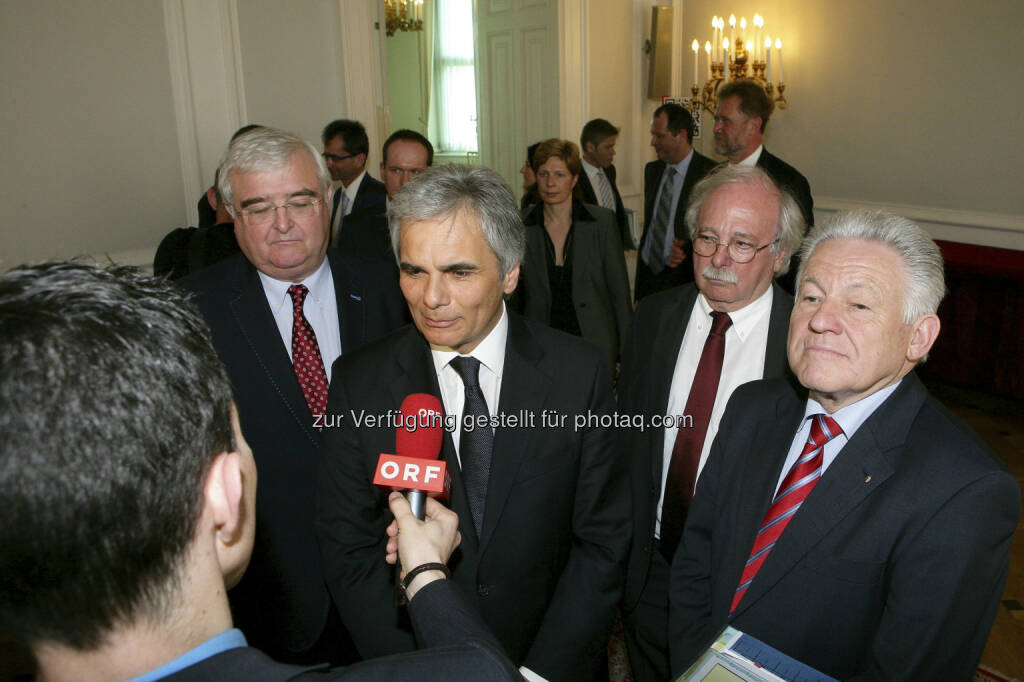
423,568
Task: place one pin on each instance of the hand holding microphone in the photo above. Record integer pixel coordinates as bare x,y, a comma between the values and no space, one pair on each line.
421,542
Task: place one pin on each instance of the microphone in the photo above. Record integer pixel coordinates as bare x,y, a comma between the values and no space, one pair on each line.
415,466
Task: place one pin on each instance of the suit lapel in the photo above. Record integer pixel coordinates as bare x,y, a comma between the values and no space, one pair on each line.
671,329
256,322
349,295
776,363
861,467
523,386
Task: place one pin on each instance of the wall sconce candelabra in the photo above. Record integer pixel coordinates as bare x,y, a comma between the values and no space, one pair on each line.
403,15
748,56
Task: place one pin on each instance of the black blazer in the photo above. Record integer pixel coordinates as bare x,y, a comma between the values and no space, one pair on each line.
647,368
281,603
455,646
370,195
892,568
366,234
600,285
790,179
547,570
646,282
589,196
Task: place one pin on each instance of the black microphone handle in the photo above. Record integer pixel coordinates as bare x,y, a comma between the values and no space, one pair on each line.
418,502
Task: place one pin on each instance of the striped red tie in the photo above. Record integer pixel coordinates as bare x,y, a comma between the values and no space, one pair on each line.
309,366
794,490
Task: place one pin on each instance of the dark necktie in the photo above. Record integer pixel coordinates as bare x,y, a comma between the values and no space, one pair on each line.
659,228
682,470
794,490
309,366
475,444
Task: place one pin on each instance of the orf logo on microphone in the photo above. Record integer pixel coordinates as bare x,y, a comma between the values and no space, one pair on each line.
412,473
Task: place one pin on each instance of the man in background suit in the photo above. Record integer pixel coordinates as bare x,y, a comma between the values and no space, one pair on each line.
597,181
405,155
743,229
281,312
345,149
663,254
743,112
863,530
117,559
543,507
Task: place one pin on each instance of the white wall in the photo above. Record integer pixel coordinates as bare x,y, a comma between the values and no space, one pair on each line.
90,153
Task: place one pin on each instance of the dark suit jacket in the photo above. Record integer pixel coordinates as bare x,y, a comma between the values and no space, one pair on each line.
892,568
455,646
647,368
547,569
366,234
370,195
281,603
790,179
589,196
646,282
600,285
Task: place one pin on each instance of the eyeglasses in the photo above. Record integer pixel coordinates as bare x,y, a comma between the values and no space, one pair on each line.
262,215
334,158
740,250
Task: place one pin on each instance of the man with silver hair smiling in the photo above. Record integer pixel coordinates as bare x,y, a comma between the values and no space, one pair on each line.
863,530
688,350
542,497
281,312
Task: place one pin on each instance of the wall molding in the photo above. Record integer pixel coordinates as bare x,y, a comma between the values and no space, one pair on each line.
573,68
999,230
362,73
181,90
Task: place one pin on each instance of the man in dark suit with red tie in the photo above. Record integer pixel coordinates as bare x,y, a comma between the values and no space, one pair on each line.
664,252
862,529
281,312
346,148
727,328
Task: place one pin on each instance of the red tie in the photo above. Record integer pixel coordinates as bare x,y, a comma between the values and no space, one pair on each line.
682,470
309,366
794,490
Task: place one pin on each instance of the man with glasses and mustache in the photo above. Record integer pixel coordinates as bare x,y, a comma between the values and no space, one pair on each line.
725,329
281,312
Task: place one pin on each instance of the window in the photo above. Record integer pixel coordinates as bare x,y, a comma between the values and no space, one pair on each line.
454,77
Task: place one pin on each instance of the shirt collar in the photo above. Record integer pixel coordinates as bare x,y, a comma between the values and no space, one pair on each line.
277,290
746,318
490,351
353,187
591,169
852,417
753,158
683,165
229,639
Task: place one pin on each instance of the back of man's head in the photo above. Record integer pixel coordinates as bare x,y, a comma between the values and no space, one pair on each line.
112,405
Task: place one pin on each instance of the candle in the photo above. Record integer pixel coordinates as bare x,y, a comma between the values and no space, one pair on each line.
696,58
725,58
732,29
707,51
768,58
778,47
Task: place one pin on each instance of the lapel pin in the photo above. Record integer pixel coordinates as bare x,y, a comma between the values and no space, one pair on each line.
868,479
355,298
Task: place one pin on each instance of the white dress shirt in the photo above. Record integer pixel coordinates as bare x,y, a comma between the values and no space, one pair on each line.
352,190
592,174
320,308
745,343
491,354
849,418
753,158
682,168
